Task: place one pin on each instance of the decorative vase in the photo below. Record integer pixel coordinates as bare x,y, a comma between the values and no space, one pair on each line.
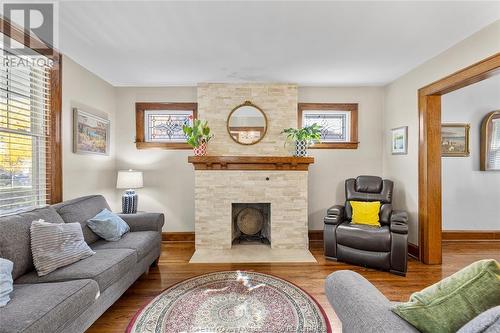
300,148
129,202
201,150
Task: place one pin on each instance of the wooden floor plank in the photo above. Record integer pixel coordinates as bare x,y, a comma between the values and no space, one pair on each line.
174,267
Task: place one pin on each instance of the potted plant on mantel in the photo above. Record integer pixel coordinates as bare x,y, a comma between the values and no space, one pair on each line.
198,135
303,138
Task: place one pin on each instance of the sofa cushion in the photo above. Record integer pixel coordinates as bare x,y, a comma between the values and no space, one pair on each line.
105,267
46,307
486,322
364,237
80,210
141,241
15,237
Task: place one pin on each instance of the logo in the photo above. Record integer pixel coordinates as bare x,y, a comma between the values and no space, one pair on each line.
36,20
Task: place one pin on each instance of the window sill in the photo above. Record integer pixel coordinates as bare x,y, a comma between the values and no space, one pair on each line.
336,145
162,145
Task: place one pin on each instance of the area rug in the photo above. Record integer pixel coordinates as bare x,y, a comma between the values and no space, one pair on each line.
232,302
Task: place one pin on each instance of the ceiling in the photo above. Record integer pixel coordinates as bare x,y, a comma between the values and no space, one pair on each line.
160,43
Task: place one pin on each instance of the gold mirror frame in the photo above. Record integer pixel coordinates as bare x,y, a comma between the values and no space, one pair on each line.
246,103
486,138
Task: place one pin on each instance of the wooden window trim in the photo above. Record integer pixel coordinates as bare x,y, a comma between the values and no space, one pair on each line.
54,172
352,107
141,107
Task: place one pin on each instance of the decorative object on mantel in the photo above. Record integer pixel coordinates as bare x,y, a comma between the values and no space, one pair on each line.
129,180
399,142
90,133
247,124
251,163
198,135
490,142
455,140
232,301
303,137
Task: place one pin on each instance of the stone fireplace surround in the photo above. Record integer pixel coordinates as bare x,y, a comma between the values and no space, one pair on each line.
264,172
266,179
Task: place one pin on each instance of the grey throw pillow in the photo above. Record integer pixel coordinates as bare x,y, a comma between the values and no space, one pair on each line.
6,267
55,245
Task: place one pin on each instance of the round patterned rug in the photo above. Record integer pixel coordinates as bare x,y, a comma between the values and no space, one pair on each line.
233,301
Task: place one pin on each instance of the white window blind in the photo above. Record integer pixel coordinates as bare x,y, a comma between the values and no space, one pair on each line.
24,131
494,151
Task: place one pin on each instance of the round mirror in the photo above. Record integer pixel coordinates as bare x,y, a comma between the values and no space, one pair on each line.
247,124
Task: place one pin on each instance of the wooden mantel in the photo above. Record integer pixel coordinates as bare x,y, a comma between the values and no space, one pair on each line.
251,163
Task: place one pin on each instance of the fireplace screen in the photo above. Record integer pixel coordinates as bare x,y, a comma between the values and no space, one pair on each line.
251,223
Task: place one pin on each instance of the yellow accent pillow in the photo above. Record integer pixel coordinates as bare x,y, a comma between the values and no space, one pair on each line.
365,212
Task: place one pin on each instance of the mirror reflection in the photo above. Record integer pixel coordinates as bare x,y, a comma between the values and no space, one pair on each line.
247,124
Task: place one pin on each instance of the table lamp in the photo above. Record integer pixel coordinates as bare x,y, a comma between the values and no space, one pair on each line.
129,180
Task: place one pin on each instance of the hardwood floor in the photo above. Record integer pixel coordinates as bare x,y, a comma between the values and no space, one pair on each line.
174,267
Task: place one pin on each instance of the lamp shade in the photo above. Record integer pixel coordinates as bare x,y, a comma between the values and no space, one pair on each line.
129,179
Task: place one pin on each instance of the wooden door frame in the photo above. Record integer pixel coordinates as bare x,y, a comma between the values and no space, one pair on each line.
429,152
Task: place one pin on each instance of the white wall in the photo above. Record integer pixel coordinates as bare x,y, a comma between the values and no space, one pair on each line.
86,174
169,179
333,166
471,198
401,109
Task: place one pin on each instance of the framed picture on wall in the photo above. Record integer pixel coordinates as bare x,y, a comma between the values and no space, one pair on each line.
455,140
90,133
399,142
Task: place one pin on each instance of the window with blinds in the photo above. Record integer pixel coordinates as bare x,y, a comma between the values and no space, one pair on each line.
494,151
25,148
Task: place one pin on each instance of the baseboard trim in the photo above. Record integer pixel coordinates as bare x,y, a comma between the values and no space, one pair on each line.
470,235
179,236
413,251
315,235
188,236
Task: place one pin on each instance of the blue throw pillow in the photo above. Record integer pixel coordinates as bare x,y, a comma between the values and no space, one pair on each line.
6,286
108,225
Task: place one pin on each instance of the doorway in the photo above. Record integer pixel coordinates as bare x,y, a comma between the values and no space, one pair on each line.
429,155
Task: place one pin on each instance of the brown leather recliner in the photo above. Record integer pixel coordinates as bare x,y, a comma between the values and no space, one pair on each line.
385,247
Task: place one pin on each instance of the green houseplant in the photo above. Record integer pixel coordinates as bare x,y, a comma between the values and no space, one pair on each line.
303,137
198,135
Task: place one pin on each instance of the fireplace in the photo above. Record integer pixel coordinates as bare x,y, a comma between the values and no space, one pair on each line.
251,209
251,223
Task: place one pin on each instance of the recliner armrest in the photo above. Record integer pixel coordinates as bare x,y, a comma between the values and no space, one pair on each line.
335,215
399,222
336,210
333,219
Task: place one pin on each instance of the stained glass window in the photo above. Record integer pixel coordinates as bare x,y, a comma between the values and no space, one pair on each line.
166,125
334,124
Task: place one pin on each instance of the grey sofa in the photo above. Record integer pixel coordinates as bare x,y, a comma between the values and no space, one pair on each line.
71,298
363,308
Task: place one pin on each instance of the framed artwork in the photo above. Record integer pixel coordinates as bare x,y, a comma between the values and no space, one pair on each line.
455,140
90,133
399,141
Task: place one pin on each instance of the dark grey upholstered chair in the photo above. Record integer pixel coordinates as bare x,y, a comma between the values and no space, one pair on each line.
385,247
